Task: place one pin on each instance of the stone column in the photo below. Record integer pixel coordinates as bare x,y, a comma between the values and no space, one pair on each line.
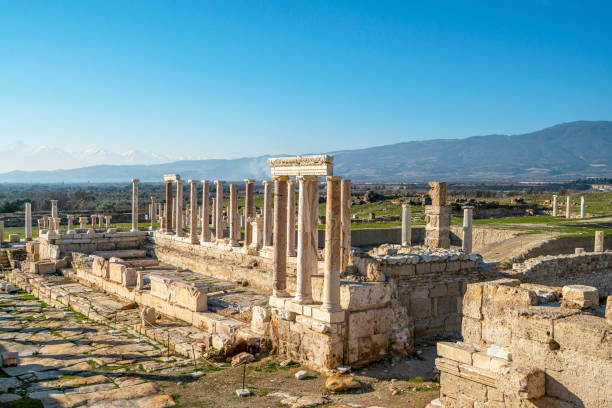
56,223
308,237
94,222
233,216
54,211
599,241
582,208
466,242
45,222
153,214
178,209
333,226
214,215
205,234
70,222
291,218
135,204
248,211
267,213
100,221
437,216
83,222
1,232
279,271
28,221
193,211
107,220
406,225
219,210
568,207
168,207
345,221
40,225
555,205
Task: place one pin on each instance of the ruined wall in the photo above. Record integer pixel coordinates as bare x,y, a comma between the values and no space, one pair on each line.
559,246
593,269
54,245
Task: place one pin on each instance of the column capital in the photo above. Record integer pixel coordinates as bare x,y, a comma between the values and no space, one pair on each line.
468,207
308,178
192,181
279,178
405,205
221,182
181,182
333,178
205,181
135,181
265,182
249,181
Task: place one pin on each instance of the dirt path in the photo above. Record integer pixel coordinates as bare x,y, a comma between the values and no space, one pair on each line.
512,247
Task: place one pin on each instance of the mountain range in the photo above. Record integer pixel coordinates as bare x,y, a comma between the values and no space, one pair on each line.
561,152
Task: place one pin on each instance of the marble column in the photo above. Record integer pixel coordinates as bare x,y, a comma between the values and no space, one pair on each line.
94,220
193,211
248,211
555,205
406,225
153,214
28,221
107,220
100,221
345,221
233,216
466,242
582,208
135,204
56,223
267,213
70,222
599,241
1,232
291,218
568,207
279,271
333,227
178,217
45,222
83,222
308,237
219,210
40,225
205,233
54,210
168,207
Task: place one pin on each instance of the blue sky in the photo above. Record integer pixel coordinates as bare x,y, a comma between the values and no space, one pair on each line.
231,79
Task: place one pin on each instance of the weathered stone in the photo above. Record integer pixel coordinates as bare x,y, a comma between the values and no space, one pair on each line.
342,383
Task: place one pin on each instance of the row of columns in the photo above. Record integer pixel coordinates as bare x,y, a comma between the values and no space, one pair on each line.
568,206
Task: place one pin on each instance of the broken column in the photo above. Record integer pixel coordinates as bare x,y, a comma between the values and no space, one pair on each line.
267,215
54,211
28,221
568,207
291,218
406,225
100,221
333,227
219,210
279,271
466,241
555,205
437,215
599,241
178,230
135,204
83,222
308,237
345,221
205,233
233,216
70,222
248,211
94,220
193,211
582,208
1,232
107,220
153,214
167,227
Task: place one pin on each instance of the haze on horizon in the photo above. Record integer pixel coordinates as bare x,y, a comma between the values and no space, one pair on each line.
86,83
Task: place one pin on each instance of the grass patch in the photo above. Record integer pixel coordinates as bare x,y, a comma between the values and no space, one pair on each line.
416,380
23,403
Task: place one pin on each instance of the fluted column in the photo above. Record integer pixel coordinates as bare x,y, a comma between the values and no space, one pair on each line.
219,210
331,276
308,237
291,218
568,207
555,205
134,204
406,225
582,208
248,211
28,221
267,228
153,214
168,207
345,220
279,272
205,233
179,208
466,242
233,216
193,211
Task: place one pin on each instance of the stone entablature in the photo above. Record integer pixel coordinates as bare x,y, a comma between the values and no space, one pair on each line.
316,165
54,245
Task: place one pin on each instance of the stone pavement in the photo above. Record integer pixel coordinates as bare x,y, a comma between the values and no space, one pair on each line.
66,360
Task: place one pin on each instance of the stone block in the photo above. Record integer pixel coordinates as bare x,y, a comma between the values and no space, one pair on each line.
523,383
328,317
459,352
471,330
384,319
420,308
472,301
584,297
584,333
115,272
360,324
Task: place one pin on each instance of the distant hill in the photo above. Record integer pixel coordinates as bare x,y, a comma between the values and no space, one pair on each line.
565,151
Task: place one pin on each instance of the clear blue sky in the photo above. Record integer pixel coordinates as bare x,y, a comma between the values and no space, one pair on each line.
230,79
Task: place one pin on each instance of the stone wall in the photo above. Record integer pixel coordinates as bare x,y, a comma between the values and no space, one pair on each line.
430,285
522,349
593,269
559,246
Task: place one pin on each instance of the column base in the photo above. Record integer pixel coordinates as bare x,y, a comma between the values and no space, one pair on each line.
280,293
303,300
134,230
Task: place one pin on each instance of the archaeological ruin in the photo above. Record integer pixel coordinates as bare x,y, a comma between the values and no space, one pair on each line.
236,280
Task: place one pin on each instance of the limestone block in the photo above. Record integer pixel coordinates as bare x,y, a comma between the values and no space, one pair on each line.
586,334
160,286
609,309
129,277
373,347
584,297
360,324
115,272
14,238
523,383
471,330
460,352
148,316
472,301
188,296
